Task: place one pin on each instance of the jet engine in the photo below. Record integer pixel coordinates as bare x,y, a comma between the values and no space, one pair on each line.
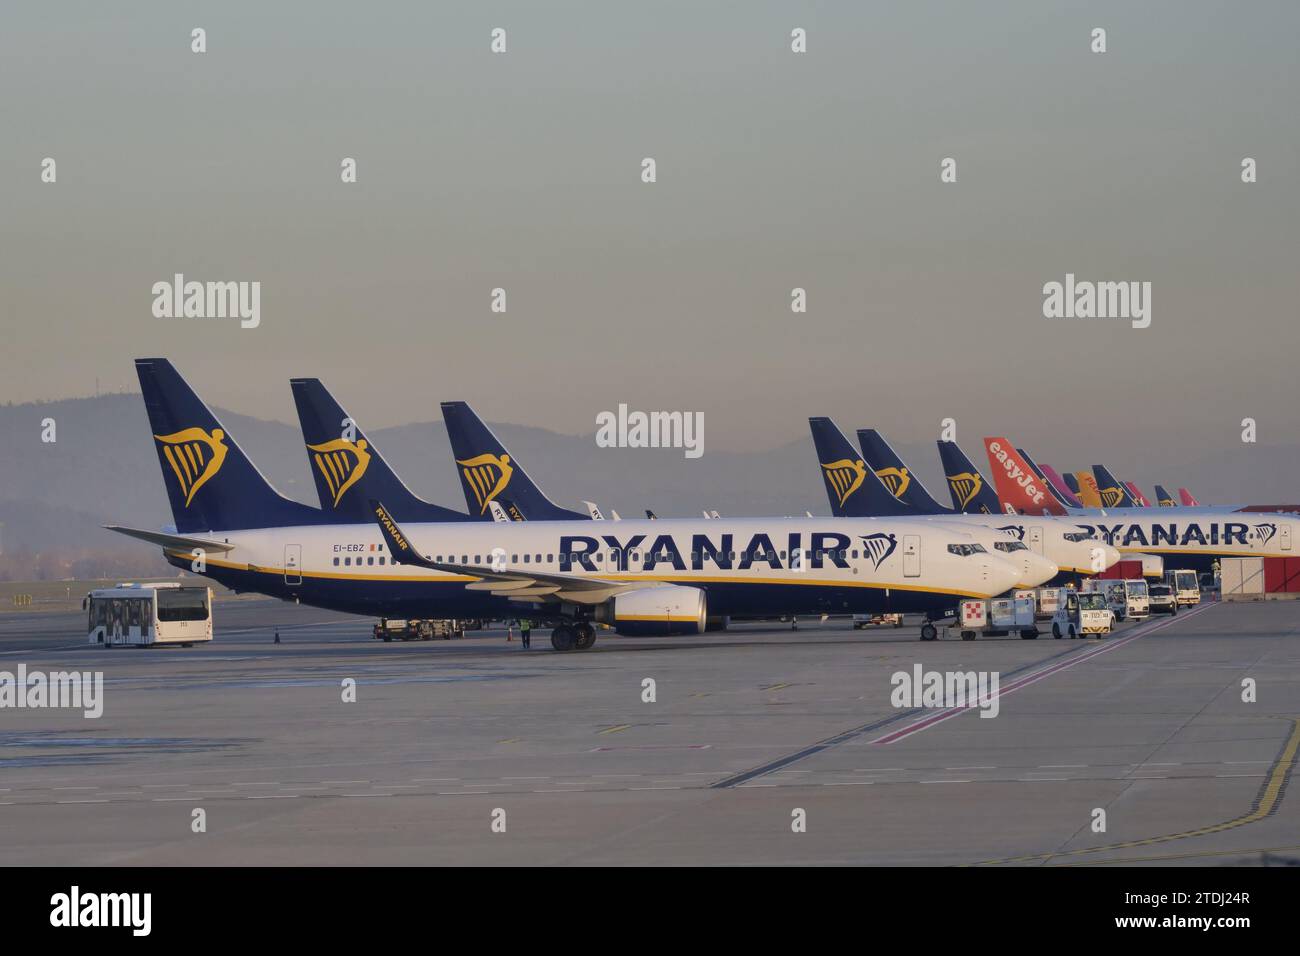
656,612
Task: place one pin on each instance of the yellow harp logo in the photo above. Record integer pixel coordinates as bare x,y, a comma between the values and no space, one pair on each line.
845,476
895,479
965,486
341,463
487,475
1110,497
194,456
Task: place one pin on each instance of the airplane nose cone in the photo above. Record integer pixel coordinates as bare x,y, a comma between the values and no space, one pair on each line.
1003,575
1038,570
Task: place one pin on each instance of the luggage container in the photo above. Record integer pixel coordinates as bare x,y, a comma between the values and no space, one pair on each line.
995,617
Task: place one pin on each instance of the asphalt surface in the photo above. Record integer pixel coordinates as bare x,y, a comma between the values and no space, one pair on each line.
749,732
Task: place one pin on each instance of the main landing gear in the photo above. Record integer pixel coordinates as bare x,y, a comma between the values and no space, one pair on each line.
579,636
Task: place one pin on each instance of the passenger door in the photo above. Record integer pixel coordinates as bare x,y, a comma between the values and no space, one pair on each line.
1034,537
911,555
293,564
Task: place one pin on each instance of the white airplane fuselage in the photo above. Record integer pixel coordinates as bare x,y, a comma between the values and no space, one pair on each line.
746,566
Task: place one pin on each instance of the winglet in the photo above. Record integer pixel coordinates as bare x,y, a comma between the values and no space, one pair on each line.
399,546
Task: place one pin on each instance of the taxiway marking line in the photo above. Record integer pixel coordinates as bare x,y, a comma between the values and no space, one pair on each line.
1266,801
950,712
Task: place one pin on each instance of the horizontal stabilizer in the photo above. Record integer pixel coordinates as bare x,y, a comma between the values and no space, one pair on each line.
172,542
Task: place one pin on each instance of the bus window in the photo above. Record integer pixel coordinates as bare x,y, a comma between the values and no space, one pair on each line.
175,604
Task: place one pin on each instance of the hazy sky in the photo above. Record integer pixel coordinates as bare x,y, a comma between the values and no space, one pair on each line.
775,170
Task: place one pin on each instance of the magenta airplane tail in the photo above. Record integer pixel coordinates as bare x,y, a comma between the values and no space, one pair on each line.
1062,489
1136,492
1188,500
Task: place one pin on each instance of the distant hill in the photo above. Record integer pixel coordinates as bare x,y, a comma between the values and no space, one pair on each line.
103,469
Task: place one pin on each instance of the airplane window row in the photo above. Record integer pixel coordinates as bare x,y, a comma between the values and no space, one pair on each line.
635,556
348,561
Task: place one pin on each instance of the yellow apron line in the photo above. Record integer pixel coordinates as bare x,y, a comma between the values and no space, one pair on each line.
1183,856
1265,804
613,730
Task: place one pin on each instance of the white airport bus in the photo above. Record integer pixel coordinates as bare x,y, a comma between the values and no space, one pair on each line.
138,615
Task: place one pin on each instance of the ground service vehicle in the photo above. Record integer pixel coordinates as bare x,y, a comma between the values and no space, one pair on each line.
1185,584
996,617
1049,600
1083,613
862,620
1139,599
418,630
1126,598
1162,599
141,615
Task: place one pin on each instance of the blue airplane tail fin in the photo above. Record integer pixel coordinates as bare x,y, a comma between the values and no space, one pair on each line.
1164,499
347,467
1051,488
1113,494
211,484
854,491
971,494
487,471
900,481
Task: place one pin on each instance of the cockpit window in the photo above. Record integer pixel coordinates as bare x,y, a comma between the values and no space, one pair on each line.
1077,536
966,550
1009,546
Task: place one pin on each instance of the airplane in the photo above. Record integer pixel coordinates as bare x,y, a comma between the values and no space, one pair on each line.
889,468
970,492
664,577
1195,538
488,473
854,490
1136,494
1042,476
1088,492
1063,490
1113,493
347,467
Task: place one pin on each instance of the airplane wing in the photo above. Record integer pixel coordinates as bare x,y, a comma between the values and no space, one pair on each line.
513,583
172,542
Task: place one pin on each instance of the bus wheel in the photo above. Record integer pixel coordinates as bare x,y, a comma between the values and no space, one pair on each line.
1029,634
1056,631
968,635
929,632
